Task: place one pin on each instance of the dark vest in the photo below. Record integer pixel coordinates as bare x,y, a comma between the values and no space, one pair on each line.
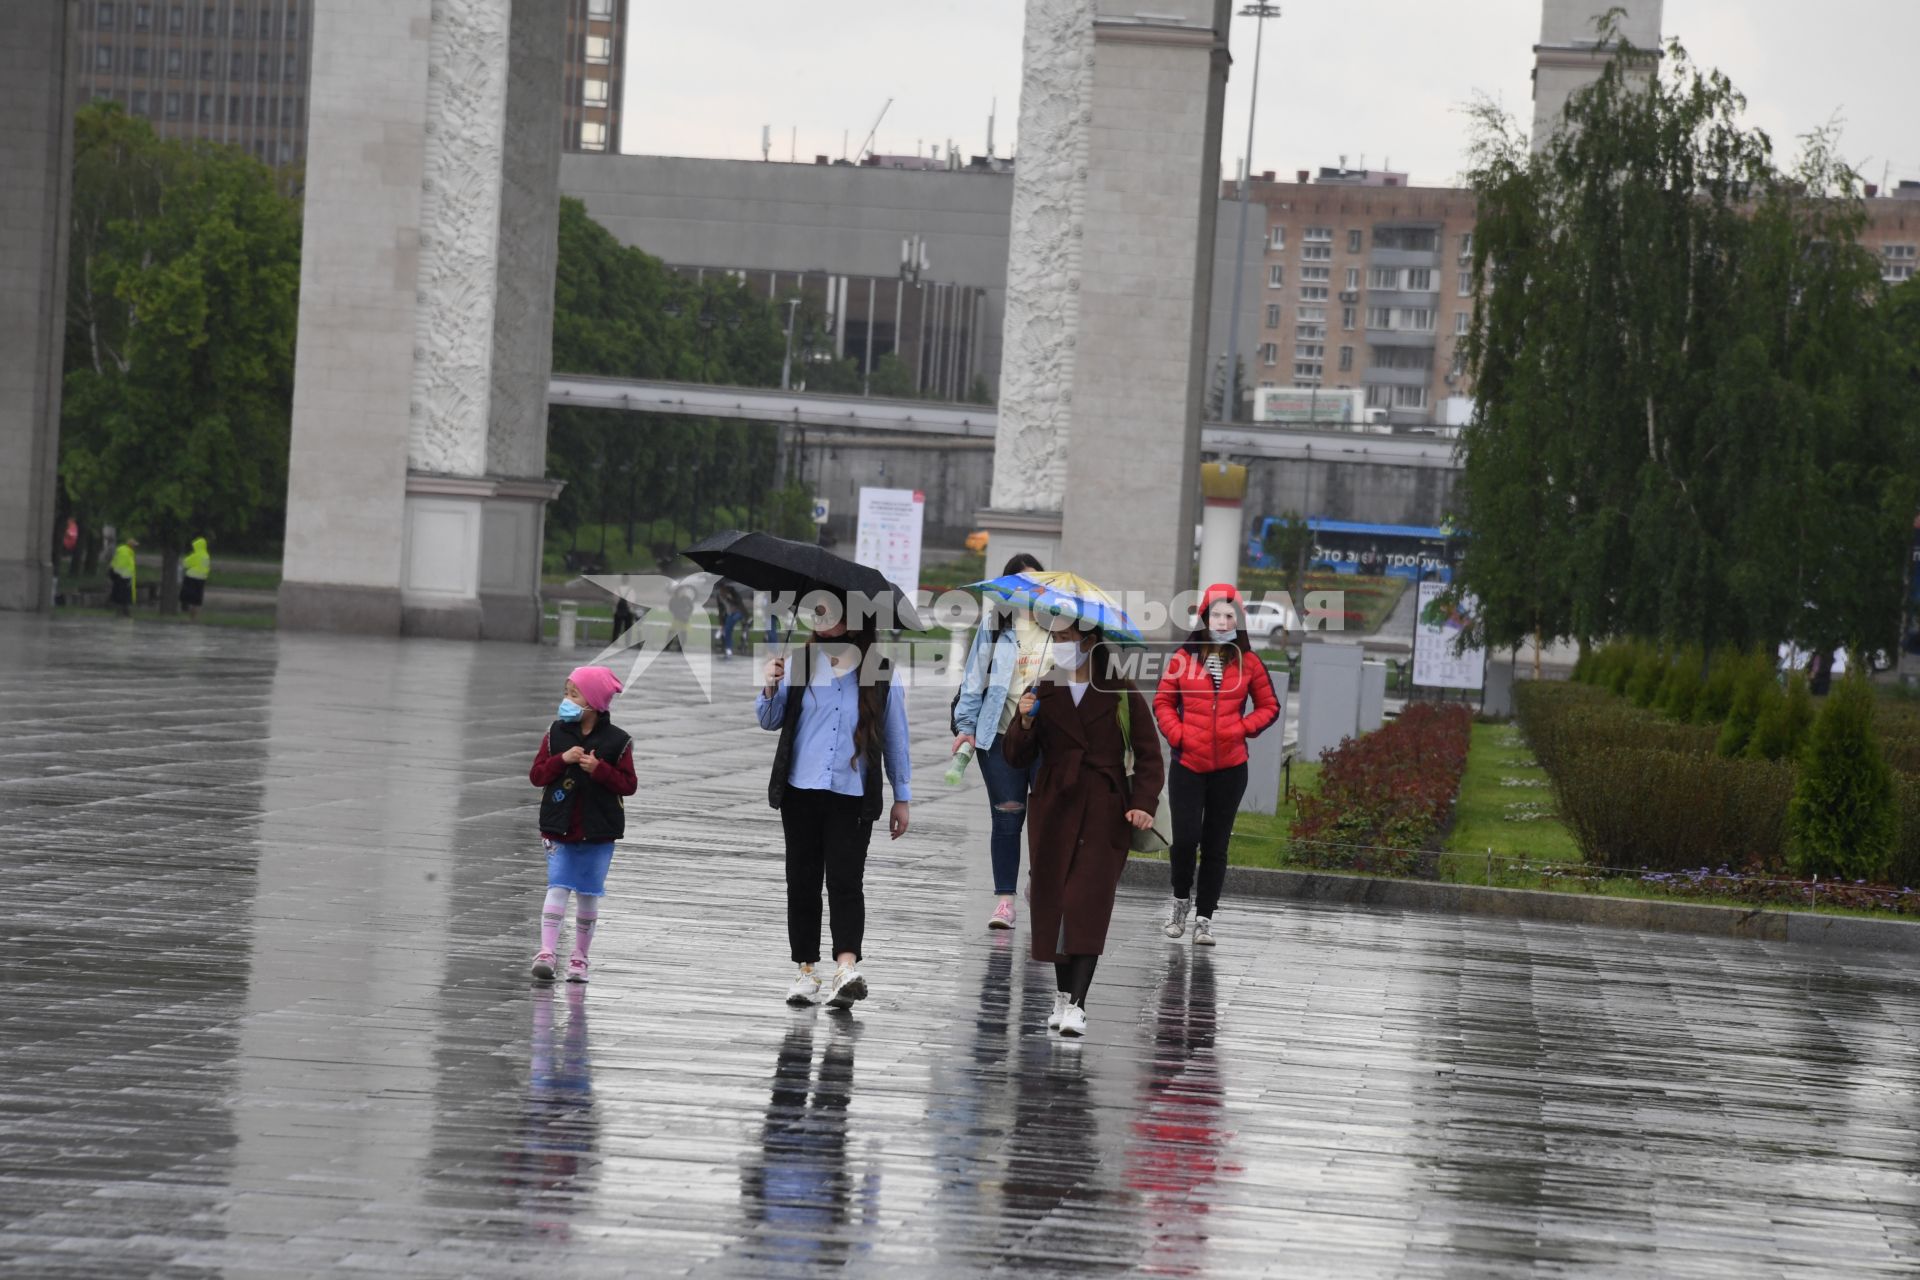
870,800
603,815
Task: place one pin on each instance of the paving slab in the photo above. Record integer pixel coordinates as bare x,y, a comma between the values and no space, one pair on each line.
269,899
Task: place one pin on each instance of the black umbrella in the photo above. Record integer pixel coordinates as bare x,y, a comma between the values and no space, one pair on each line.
781,565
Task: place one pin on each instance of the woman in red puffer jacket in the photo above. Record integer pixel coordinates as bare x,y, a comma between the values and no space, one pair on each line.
1202,710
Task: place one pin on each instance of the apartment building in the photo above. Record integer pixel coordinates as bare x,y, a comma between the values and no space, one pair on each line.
1368,286
595,74
233,72
236,71
1893,230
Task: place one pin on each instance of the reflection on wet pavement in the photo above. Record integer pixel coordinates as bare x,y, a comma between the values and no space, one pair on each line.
269,901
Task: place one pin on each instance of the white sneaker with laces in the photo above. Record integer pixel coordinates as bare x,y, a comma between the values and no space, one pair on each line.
848,986
1059,1007
1073,1021
1202,931
806,987
1177,917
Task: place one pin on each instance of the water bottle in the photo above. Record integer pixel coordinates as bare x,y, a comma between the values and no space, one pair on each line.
961,759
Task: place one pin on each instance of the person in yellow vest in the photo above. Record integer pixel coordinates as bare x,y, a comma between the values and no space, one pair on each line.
120,571
193,579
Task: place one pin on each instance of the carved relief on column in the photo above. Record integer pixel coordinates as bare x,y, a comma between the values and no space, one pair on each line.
1043,267
529,243
459,237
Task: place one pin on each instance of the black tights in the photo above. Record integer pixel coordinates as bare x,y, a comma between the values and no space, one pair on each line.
1074,975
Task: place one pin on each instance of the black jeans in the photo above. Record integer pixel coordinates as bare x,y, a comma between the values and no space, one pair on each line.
826,840
1203,808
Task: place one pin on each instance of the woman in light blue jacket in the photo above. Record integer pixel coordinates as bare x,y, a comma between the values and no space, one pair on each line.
1003,662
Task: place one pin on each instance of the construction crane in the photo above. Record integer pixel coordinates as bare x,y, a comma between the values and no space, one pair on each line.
865,146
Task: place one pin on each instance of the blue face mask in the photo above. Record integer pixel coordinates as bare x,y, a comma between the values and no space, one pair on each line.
571,710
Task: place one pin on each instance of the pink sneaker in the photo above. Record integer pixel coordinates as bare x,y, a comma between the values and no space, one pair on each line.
576,968
543,966
1002,917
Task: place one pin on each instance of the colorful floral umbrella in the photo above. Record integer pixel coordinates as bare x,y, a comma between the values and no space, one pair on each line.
1067,595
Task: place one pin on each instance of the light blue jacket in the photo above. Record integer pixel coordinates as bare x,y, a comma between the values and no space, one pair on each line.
984,684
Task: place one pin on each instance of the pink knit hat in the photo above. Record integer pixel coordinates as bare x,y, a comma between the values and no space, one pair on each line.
597,685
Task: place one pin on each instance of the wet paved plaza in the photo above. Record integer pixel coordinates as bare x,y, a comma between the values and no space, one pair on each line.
268,902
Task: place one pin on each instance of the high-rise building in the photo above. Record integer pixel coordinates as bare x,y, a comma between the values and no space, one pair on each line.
1368,288
595,75
236,71
230,71
1570,57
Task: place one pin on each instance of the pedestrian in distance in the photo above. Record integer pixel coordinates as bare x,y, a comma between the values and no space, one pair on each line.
680,604
840,723
1081,724
1004,660
622,615
731,600
121,573
584,770
1202,709
195,569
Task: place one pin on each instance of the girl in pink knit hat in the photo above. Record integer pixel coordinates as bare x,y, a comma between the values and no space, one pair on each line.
585,773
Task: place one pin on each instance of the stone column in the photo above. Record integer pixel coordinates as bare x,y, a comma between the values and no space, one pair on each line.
1040,331
415,491
36,155
1108,289
1223,485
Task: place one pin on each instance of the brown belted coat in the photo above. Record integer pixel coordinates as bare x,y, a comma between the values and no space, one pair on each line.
1077,832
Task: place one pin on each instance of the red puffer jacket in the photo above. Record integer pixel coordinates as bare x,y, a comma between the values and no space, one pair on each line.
1208,728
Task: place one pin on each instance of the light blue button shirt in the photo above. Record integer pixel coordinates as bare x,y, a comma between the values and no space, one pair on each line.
823,741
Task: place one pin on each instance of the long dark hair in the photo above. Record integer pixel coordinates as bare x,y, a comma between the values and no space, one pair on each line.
871,725
995,614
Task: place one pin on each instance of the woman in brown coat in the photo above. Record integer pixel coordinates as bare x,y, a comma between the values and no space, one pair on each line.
1082,812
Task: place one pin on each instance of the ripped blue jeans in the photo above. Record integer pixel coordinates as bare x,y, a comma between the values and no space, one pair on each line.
1007,789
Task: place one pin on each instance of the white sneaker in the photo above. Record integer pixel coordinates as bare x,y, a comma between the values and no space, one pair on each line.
848,986
1177,916
1073,1021
805,989
1059,1007
1202,931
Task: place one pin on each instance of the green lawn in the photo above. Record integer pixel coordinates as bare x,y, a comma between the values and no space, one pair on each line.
1492,833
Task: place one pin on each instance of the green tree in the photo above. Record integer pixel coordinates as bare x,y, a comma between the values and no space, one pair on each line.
1288,542
1690,426
181,310
1780,727
892,379
1753,683
1842,822
643,478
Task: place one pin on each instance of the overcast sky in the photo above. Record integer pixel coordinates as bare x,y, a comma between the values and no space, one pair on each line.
1383,79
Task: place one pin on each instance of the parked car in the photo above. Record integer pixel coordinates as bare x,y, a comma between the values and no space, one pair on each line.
1265,617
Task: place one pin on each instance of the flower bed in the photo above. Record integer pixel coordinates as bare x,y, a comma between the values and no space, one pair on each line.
1385,799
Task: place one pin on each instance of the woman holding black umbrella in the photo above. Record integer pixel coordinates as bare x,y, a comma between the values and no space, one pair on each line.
841,720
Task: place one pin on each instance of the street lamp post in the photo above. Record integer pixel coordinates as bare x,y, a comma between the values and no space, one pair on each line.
786,364
1260,12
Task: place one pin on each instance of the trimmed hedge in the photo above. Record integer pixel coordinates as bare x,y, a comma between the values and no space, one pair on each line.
1391,791
1639,791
